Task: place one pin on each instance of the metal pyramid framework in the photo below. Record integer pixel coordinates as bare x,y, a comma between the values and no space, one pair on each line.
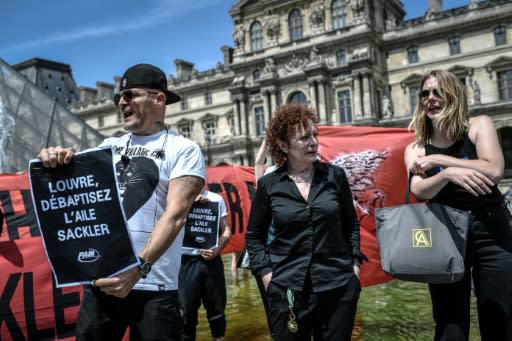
31,120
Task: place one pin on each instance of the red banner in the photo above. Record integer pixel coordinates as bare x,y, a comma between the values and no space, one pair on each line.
32,308
236,185
373,160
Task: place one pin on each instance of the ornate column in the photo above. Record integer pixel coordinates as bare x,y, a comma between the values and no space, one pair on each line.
266,105
236,116
312,94
269,101
362,95
240,114
243,116
273,102
366,109
358,105
322,103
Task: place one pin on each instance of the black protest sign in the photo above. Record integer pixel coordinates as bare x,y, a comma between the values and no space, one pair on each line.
80,218
202,226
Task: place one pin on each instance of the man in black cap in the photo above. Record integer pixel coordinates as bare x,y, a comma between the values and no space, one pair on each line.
160,174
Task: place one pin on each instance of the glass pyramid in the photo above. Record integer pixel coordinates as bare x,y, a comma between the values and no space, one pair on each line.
31,120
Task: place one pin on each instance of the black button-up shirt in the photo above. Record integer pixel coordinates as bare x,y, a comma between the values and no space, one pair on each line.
318,238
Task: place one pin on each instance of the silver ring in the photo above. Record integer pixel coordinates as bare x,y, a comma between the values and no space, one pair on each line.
52,153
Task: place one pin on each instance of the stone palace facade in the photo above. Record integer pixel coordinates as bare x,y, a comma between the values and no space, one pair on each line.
356,62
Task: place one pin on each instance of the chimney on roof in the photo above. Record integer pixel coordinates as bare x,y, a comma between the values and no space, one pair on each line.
228,54
87,94
183,68
104,90
435,6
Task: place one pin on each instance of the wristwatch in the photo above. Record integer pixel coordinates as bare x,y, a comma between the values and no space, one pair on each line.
144,268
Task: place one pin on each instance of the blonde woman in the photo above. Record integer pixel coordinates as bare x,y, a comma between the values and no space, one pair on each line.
457,160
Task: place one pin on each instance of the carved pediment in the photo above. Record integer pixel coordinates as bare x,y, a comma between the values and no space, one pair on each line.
499,63
185,122
460,70
208,117
412,79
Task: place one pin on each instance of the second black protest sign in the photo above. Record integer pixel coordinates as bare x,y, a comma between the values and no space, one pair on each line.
202,226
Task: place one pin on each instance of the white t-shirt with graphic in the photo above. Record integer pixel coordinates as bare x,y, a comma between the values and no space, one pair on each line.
144,166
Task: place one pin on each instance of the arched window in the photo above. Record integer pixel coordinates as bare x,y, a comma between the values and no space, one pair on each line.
298,97
295,25
256,36
339,14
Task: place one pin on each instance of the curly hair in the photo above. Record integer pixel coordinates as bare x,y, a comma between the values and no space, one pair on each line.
453,117
283,126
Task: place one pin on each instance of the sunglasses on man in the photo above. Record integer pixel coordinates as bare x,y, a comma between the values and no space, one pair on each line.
129,95
438,92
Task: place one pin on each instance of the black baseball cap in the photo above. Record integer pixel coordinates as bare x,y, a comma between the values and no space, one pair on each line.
149,77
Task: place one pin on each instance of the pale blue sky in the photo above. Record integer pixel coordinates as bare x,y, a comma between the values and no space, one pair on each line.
101,38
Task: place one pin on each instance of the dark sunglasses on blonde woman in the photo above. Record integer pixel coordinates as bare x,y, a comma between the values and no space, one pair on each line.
438,92
129,95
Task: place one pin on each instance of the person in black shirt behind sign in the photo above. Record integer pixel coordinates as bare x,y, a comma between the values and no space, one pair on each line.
311,268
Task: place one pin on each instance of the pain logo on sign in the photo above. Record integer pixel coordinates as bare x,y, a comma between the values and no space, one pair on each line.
88,256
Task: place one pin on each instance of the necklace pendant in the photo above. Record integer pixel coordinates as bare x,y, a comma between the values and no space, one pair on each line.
292,326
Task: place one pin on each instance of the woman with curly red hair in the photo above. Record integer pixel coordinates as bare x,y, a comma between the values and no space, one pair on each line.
310,269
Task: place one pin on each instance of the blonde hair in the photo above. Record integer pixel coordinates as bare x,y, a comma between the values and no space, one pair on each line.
454,116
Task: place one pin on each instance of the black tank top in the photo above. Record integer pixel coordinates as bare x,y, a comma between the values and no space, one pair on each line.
454,195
